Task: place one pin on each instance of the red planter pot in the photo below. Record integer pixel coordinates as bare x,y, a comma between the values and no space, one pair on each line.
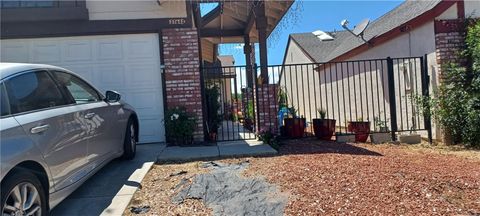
324,128
294,127
361,130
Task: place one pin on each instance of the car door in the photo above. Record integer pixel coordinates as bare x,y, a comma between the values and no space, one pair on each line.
99,118
52,121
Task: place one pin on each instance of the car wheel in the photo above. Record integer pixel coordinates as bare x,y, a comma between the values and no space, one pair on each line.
23,194
130,142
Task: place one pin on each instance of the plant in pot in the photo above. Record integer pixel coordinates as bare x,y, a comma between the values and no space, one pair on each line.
383,135
322,127
179,126
214,119
361,129
248,120
294,125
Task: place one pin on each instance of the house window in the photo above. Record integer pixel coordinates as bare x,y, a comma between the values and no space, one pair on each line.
28,4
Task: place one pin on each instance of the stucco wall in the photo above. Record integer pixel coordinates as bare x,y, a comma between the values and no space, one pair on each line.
472,8
355,90
145,9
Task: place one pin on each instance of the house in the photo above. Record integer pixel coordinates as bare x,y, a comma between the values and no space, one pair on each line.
151,51
412,29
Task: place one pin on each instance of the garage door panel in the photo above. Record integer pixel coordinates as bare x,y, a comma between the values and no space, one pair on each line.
16,51
142,48
110,49
46,52
150,130
111,77
129,64
77,50
145,75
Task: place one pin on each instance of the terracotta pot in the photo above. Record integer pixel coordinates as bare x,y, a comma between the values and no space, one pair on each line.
324,128
212,136
361,130
294,127
248,124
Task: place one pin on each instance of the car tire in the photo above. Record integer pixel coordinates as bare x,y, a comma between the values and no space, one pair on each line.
28,187
130,141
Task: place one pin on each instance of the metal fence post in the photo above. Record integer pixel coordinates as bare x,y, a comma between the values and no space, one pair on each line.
391,97
426,96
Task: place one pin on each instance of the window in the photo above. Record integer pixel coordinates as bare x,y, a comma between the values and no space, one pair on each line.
27,4
80,91
4,107
33,91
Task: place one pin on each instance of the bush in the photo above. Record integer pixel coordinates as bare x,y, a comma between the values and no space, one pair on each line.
457,108
214,119
179,126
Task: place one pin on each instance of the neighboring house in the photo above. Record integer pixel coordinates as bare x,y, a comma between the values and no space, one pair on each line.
412,29
151,51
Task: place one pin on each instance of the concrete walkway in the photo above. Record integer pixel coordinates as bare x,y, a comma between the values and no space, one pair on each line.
221,150
110,190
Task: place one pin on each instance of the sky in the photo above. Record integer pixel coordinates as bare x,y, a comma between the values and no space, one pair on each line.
311,16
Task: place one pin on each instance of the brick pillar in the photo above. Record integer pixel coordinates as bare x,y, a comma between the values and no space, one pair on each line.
267,107
449,42
182,73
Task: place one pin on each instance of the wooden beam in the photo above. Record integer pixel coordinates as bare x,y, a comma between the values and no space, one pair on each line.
210,16
221,32
250,20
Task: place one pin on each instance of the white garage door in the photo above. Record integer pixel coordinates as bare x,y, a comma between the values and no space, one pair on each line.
129,64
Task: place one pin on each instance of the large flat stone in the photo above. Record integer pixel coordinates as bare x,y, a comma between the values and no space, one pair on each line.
176,153
245,148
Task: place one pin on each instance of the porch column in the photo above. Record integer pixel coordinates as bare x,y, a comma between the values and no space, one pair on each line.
261,23
247,49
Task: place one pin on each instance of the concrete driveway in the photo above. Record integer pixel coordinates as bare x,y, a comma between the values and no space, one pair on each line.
109,191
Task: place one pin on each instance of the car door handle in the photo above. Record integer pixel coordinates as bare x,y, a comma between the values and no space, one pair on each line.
39,129
89,115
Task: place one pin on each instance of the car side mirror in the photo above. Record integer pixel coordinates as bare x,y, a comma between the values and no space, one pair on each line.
112,96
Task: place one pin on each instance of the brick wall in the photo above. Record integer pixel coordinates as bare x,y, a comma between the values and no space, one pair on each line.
449,41
182,73
267,107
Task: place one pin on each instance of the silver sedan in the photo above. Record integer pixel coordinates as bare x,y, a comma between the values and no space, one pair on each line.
56,131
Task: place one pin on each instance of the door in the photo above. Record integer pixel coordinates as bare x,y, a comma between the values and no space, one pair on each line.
52,122
101,119
127,63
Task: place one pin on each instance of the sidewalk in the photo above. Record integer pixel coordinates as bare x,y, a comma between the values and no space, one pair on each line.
221,150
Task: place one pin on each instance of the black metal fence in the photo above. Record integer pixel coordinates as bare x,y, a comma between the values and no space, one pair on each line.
383,92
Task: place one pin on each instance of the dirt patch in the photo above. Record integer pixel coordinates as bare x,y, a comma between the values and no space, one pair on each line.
326,178
331,178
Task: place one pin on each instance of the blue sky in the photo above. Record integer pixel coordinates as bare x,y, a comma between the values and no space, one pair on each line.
316,15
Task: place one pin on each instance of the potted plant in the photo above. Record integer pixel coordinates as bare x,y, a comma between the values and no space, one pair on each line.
360,128
294,125
214,119
248,120
323,128
383,135
179,126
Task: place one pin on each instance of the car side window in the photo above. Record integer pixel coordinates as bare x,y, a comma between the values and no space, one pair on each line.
4,107
32,91
80,90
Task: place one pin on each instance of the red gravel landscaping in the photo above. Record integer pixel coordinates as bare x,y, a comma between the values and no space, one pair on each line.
330,178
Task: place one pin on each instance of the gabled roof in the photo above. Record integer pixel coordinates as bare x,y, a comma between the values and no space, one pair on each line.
344,42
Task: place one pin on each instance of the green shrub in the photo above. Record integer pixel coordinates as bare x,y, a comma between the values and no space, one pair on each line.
214,119
179,126
457,107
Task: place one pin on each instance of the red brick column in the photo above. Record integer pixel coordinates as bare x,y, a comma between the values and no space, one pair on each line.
182,73
267,107
449,41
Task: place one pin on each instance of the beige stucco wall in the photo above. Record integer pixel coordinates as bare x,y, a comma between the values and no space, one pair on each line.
355,90
143,9
472,8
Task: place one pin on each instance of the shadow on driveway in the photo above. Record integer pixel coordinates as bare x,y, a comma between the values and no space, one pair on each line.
97,193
